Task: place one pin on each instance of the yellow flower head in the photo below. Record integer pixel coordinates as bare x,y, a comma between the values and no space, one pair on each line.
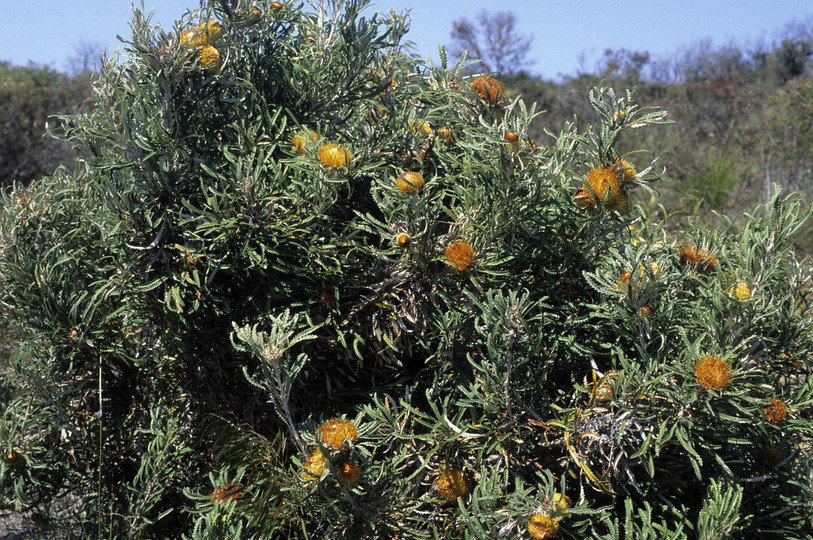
209,59
741,291
334,155
315,465
409,182
712,373
656,271
776,411
460,255
403,240
349,474
213,31
489,89
560,502
336,431
304,140
194,39
226,493
452,484
419,126
541,526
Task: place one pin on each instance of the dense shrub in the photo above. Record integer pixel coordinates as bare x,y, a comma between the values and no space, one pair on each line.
302,286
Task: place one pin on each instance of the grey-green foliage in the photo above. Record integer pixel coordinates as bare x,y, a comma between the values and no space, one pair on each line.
201,296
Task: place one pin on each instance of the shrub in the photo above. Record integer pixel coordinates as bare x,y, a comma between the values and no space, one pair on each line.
227,335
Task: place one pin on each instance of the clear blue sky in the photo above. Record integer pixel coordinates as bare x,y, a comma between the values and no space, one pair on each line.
48,31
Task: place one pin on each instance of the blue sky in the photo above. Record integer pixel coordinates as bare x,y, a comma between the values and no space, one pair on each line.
49,31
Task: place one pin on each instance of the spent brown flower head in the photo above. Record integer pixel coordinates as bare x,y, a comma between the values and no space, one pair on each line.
712,373
452,484
349,474
403,240
776,411
489,89
541,526
336,431
697,258
460,255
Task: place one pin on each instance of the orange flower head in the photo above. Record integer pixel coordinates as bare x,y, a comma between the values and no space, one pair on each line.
334,155
460,255
489,89
776,411
315,465
541,526
336,431
276,5
403,240
209,59
349,474
712,373
625,168
226,493
603,180
303,140
452,484
646,311
409,181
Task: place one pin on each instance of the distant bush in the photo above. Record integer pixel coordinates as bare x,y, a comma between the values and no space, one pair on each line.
302,286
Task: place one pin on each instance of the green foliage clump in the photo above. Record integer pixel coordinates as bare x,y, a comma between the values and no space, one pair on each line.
235,330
